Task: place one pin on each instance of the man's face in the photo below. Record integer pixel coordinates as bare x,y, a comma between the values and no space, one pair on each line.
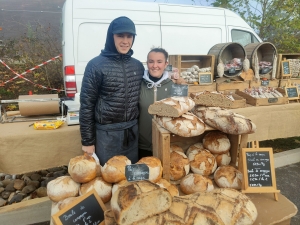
123,42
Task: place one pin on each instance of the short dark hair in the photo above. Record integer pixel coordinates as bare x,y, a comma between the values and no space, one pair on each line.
163,51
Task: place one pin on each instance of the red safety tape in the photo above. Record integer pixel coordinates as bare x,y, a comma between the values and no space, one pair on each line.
29,71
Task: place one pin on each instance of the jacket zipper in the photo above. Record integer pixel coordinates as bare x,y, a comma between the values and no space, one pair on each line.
126,89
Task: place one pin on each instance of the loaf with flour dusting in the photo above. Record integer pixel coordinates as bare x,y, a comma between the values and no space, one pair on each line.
225,120
188,125
171,107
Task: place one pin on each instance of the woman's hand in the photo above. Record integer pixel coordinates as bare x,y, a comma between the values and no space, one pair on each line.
89,149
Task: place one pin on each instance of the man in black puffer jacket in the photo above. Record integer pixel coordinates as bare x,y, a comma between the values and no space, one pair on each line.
109,96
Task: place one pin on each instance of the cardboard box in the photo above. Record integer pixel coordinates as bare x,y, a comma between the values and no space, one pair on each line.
264,101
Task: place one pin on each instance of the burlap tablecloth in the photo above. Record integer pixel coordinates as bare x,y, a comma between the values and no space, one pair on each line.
23,149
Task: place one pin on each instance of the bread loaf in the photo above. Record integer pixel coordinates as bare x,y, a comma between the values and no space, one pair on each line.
198,146
139,200
113,170
61,188
176,148
228,177
116,186
216,142
179,165
170,187
202,162
109,218
171,107
215,99
54,210
225,120
223,159
82,168
188,125
155,167
193,182
103,189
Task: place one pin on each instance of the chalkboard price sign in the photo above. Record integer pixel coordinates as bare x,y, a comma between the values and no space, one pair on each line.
285,68
205,78
292,92
87,209
179,90
258,170
136,172
265,83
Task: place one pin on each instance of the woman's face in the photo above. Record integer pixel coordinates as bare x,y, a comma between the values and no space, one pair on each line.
156,63
123,42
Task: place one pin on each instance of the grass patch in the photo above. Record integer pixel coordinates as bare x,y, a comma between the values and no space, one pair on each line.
281,144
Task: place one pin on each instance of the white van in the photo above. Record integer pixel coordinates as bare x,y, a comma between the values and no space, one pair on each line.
180,29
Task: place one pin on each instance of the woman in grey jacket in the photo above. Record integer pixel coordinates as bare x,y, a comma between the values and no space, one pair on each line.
156,85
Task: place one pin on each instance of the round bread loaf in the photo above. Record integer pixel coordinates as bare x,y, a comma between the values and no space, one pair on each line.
63,203
198,146
216,142
155,168
228,177
195,183
113,170
61,188
103,189
202,162
170,187
116,186
179,165
188,125
223,159
82,168
176,148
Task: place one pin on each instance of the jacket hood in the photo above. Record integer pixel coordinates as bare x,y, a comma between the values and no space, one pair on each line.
150,83
127,26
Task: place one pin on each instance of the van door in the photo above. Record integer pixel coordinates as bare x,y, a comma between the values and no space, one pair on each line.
242,36
191,30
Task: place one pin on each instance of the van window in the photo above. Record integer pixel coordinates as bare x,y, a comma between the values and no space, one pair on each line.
243,37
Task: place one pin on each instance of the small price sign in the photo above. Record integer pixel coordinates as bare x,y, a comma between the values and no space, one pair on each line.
137,172
179,90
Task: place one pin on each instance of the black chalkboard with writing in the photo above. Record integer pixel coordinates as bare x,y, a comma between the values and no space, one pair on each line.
179,90
286,67
86,210
265,83
137,172
205,78
259,169
292,92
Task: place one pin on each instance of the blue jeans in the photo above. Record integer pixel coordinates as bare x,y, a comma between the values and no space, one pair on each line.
117,139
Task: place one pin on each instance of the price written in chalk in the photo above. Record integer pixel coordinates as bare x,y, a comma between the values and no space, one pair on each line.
258,168
137,172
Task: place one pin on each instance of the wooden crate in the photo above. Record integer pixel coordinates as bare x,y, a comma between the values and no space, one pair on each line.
200,88
264,101
232,84
162,138
294,81
283,57
268,83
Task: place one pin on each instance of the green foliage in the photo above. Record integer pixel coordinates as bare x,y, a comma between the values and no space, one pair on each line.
275,21
34,47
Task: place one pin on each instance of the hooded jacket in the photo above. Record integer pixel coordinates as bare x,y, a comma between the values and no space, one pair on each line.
163,86
110,88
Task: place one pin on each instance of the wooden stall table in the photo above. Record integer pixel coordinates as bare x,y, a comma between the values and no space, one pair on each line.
24,149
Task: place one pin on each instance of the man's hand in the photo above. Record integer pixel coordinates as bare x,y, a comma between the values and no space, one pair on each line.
89,149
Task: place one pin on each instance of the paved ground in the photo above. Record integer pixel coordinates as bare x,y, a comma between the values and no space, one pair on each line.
288,182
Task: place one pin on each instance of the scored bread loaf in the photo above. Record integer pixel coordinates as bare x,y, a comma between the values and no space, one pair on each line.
228,177
155,167
139,200
113,170
195,183
61,188
188,125
179,165
83,168
225,120
196,146
207,98
223,159
170,187
103,189
171,107
119,184
202,162
216,142
174,147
